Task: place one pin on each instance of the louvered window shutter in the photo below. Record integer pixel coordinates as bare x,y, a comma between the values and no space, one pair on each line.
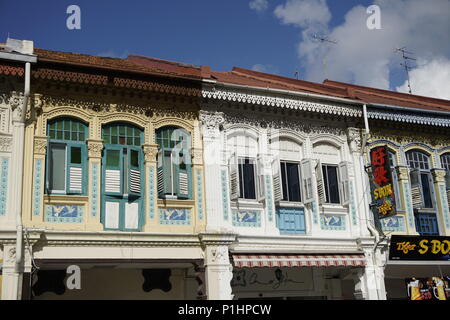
416,189
344,182
261,183
134,172
182,169
76,155
113,171
307,180
320,183
160,169
234,177
277,185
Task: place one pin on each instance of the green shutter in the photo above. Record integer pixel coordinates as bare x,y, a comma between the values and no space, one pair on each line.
182,176
76,164
113,171
134,172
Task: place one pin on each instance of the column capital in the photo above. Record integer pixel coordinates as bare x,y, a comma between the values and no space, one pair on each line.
402,172
40,145
150,152
217,239
95,148
211,122
438,175
354,139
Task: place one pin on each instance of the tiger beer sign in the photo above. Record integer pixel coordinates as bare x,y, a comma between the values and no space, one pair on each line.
383,198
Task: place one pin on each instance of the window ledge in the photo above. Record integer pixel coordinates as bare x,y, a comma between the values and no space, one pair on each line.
242,203
60,198
337,209
285,204
176,202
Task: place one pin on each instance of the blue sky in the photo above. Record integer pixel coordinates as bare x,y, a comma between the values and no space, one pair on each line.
221,34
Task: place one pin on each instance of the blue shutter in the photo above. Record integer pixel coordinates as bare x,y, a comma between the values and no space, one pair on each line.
291,220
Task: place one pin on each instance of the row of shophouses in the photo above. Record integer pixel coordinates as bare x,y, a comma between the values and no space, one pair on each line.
162,180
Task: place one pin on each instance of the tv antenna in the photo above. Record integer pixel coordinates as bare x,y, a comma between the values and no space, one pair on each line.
405,64
324,40
296,74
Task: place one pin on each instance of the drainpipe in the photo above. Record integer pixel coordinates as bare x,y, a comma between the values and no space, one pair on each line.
372,230
19,226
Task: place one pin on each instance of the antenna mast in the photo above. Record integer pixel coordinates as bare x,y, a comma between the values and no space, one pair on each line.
322,41
405,64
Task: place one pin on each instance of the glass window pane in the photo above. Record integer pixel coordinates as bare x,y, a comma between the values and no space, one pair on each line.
81,136
129,141
114,131
426,190
294,182
59,135
284,181
249,180
333,184
122,130
134,158
75,155
112,158
137,141
66,135
58,168
114,140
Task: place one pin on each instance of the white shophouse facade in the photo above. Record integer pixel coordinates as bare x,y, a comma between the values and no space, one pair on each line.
284,172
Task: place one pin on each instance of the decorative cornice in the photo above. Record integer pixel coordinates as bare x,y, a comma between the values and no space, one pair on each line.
279,101
433,120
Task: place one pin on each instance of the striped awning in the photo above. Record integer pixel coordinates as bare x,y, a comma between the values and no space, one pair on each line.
298,260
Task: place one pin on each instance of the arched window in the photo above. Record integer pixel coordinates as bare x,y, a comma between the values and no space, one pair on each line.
66,156
122,176
243,166
174,163
331,173
422,192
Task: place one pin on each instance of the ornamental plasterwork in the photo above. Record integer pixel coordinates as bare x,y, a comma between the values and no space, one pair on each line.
354,139
279,123
439,175
433,120
211,122
150,152
279,100
16,103
40,145
408,138
95,148
5,143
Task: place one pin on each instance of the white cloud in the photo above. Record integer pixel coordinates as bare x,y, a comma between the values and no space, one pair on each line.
363,56
430,79
259,5
304,13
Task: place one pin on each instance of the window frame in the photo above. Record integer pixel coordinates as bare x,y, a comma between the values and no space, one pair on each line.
166,144
83,129
326,184
286,188
243,181
424,169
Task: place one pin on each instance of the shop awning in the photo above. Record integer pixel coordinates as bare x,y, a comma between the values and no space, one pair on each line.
299,260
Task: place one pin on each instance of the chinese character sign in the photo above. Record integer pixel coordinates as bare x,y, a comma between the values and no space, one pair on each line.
383,199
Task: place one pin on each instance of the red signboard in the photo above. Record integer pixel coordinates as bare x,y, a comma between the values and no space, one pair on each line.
383,198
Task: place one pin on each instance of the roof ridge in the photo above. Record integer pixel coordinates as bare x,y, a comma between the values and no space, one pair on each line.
180,64
399,95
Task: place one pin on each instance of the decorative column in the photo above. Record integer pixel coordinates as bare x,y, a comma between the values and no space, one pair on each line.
95,148
37,201
198,190
151,196
442,201
218,269
405,195
369,282
216,176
